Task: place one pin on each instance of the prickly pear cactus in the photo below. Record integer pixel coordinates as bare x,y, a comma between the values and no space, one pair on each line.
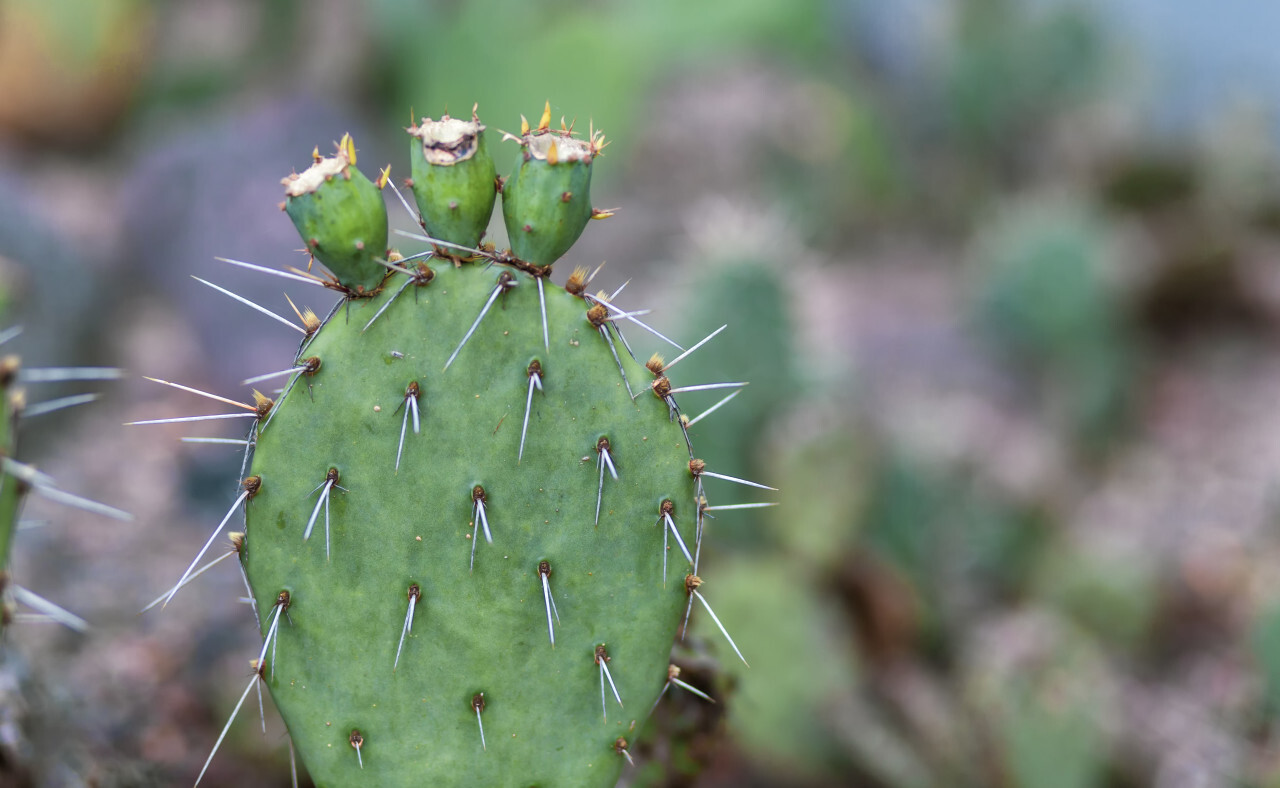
11,488
472,518
34,737
18,479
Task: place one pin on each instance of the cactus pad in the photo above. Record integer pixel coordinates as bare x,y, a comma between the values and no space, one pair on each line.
459,517
17,478
11,488
481,630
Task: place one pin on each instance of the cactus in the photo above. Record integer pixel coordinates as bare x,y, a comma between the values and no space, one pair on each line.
19,478
487,403
28,745
751,295
1044,302
11,488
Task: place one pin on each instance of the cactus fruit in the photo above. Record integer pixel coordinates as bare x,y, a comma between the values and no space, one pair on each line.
341,217
547,202
399,649
454,179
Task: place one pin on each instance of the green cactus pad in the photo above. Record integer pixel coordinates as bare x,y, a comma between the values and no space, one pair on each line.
11,489
396,535
341,217
17,478
546,203
454,179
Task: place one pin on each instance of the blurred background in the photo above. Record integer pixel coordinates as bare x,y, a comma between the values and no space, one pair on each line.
1003,275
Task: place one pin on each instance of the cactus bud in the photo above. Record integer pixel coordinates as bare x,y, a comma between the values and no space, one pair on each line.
453,178
547,202
341,217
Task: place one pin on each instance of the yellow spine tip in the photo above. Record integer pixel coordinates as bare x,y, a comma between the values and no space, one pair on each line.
384,177
553,153
598,143
524,126
315,154
348,148
545,123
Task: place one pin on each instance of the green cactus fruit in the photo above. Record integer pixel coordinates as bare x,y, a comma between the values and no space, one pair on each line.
454,180
341,217
546,203
494,405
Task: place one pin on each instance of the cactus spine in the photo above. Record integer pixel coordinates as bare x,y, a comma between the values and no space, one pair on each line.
486,404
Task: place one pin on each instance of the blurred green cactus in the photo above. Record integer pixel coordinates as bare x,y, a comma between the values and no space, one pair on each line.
751,298
11,488
1041,686
28,748
18,478
1043,299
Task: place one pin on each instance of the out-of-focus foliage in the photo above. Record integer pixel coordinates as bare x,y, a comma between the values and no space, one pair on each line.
599,58
1042,690
1044,299
69,68
758,347
1008,70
